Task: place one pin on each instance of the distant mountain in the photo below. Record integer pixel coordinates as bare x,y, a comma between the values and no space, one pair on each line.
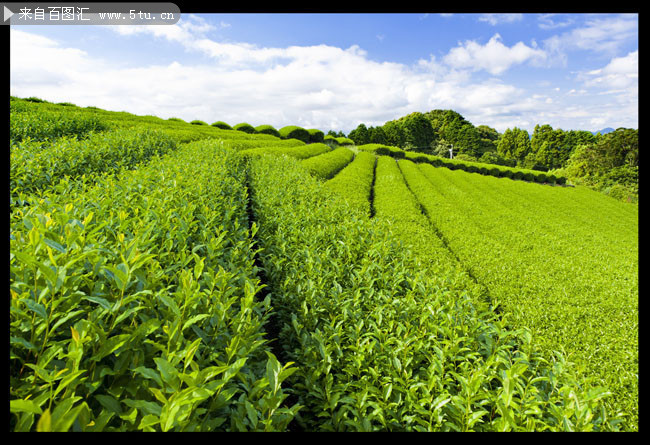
603,131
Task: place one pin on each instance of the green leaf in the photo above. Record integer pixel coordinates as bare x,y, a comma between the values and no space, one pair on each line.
170,303
191,350
24,406
148,422
168,372
44,422
49,272
21,341
194,319
67,380
234,368
110,403
35,307
64,415
100,301
149,373
54,245
110,345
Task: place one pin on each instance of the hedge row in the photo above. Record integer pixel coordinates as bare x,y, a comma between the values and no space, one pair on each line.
379,340
267,129
316,135
134,308
312,135
248,144
298,152
40,165
43,125
329,139
354,182
498,171
295,132
327,165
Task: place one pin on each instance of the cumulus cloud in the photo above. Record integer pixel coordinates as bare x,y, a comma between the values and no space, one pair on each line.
316,86
493,57
619,73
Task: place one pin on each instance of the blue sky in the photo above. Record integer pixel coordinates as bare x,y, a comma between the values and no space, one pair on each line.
334,71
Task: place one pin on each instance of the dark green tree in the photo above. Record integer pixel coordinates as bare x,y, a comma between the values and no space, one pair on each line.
360,135
377,135
394,134
514,144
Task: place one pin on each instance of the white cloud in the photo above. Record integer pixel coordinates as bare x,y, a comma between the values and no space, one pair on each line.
499,19
547,21
184,32
318,86
620,74
494,56
601,35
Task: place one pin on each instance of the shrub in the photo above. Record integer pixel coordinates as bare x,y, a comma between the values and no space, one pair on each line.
245,127
528,176
303,151
345,141
48,125
315,135
327,165
541,177
331,140
506,172
222,125
354,182
295,132
494,171
517,174
267,129
198,122
39,101
174,119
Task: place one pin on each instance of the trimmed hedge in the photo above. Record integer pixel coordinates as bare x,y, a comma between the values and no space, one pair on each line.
245,127
315,135
222,125
345,141
468,166
354,182
327,165
267,129
294,132
330,140
380,149
299,152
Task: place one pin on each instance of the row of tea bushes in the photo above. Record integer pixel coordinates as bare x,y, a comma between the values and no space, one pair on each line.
134,305
355,182
36,166
379,340
303,151
562,262
327,165
468,166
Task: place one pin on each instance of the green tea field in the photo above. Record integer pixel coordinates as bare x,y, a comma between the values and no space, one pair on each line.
176,276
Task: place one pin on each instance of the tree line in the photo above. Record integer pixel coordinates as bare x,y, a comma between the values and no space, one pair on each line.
607,162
